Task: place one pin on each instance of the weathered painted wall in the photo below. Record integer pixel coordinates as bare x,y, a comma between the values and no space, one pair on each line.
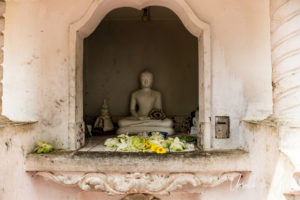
285,37
265,181
241,67
241,52
36,62
35,88
15,183
2,25
285,40
36,80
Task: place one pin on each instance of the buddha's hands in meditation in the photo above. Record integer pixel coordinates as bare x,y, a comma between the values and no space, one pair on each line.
137,117
144,118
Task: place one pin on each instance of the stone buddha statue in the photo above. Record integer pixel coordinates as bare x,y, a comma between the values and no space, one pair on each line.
141,103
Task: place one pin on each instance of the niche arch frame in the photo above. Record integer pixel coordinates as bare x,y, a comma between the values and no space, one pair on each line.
86,25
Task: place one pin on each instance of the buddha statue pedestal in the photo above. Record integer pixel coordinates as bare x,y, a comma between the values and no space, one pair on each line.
145,99
131,125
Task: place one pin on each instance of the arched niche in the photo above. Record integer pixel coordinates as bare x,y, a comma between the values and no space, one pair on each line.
89,22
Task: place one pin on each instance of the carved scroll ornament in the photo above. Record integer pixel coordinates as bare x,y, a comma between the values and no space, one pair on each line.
116,184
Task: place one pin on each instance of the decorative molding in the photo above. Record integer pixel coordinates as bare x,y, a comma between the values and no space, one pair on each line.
283,19
285,38
152,183
285,53
88,23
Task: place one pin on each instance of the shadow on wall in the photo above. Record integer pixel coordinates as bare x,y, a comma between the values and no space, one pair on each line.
123,46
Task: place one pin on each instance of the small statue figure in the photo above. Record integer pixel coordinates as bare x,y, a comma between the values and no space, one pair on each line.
104,121
195,129
146,99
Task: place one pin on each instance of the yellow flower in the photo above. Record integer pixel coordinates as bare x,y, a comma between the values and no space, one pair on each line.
153,147
147,146
160,150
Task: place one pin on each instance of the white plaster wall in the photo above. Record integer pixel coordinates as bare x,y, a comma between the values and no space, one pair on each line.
241,66
240,56
35,84
36,64
35,78
15,183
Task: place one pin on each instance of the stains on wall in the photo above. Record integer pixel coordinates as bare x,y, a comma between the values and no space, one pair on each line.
8,144
2,26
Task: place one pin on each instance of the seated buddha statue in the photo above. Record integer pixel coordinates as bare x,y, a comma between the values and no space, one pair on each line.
142,102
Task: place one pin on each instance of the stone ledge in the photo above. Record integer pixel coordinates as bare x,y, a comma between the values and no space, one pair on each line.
4,121
197,161
275,121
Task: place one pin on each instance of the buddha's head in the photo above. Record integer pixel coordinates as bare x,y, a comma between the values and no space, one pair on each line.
146,79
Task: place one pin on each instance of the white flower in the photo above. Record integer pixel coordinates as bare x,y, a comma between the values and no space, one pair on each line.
112,142
123,146
157,136
177,145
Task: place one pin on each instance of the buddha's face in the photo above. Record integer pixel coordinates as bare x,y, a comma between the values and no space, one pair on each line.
146,80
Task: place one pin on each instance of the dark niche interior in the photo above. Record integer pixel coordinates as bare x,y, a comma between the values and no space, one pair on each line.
125,44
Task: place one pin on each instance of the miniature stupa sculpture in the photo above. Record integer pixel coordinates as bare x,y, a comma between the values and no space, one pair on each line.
104,121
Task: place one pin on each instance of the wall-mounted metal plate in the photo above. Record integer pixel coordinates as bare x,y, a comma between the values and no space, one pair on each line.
222,127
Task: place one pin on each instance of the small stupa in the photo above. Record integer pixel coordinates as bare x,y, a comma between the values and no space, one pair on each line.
104,121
